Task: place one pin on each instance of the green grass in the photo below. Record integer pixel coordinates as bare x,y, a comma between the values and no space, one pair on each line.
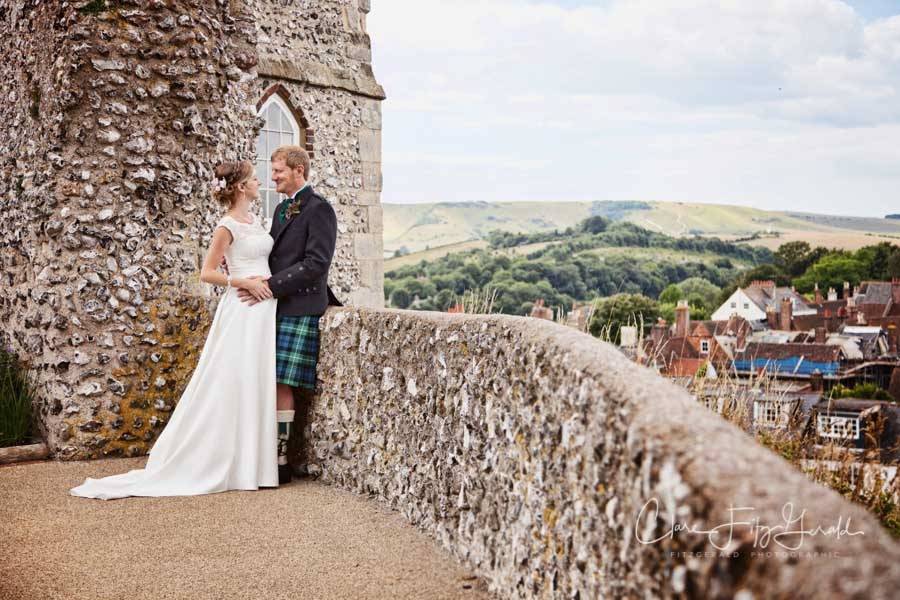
431,254
16,398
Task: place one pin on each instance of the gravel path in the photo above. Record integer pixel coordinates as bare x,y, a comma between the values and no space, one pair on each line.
303,540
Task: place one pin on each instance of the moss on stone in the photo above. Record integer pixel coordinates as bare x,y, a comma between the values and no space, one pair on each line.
182,332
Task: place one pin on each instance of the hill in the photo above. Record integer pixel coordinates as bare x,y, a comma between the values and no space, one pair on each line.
598,258
415,227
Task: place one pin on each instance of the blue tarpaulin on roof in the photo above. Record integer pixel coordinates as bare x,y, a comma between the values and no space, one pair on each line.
787,366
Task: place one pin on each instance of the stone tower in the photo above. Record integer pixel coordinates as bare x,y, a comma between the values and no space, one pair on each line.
113,116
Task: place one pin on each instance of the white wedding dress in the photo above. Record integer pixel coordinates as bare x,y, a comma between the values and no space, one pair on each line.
222,434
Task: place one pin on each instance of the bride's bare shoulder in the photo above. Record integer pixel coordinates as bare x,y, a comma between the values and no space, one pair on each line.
226,226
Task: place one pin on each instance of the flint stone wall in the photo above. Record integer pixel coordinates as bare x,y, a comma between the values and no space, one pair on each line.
529,449
320,55
113,115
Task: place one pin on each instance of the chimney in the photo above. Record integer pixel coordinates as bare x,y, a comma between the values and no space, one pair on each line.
820,335
818,293
741,342
787,310
816,381
539,311
628,336
772,316
658,331
832,293
846,290
851,310
682,318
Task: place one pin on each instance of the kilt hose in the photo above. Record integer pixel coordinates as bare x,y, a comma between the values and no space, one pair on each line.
297,351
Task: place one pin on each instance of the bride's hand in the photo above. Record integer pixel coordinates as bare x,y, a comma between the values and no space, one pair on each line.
257,288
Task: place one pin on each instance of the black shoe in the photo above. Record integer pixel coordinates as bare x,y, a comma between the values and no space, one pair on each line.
284,474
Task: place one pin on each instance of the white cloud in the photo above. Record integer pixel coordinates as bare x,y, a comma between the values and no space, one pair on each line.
657,88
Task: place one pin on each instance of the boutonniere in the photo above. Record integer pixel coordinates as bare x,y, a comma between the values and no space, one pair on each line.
293,209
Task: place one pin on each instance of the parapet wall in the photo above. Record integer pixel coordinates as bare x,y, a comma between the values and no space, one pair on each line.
538,454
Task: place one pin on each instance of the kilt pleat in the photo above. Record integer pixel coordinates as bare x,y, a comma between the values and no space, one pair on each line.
297,350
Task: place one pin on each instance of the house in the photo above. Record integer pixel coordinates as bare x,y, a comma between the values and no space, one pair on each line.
759,403
876,299
682,349
780,409
870,343
763,301
791,359
859,425
873,303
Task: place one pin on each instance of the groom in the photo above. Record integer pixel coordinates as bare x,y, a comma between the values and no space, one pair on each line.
304,228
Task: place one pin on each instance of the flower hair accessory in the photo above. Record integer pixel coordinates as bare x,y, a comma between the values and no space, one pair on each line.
218,184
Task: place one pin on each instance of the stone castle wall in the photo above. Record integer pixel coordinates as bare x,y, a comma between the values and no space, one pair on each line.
116,113
529,450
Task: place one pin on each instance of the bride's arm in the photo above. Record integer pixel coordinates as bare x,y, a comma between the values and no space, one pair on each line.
208,274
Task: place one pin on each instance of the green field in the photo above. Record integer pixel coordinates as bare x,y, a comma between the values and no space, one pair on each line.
420,226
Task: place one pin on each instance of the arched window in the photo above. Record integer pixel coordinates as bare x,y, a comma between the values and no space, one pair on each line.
281,127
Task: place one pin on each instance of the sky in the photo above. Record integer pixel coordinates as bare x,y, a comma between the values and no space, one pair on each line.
774,104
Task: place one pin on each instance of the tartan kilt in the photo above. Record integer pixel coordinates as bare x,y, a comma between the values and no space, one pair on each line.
297,350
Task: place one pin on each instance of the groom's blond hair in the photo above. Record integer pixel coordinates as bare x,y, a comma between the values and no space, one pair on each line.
293,157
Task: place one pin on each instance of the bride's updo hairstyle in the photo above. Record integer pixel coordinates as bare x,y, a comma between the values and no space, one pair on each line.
228,176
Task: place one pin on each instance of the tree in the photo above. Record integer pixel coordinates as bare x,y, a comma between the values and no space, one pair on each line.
792,258
878,258
863,391
700,292
671,295
400,298
610,314
444,299
893,264
832,271
766,271
596,224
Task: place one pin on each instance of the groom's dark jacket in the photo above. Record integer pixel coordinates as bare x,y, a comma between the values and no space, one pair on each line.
301,256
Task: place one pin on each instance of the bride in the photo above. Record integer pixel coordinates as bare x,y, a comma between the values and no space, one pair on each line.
222,434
